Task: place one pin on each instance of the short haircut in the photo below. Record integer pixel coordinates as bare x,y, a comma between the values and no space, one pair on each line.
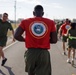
5,14
38,7
66,19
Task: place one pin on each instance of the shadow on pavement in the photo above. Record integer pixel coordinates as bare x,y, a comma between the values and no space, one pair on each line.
2,73
74,65
9,70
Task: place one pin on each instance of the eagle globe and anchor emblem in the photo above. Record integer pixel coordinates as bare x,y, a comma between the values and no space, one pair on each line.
38,29
67,27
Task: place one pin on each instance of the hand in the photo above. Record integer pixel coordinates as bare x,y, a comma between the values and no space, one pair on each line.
59,37
13,40
65,34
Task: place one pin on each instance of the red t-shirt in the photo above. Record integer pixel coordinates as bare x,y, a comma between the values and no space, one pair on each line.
64,27
37,32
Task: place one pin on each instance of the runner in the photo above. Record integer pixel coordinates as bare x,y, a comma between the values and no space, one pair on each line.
71,42
39,33
4,26
63,28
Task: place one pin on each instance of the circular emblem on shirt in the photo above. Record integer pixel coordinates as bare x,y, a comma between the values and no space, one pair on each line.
67,27
38,29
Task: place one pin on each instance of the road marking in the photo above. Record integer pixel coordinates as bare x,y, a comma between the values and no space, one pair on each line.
9,45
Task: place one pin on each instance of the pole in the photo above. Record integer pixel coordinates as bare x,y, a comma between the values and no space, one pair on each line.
15,12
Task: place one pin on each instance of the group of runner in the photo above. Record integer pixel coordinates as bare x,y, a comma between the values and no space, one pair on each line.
67,32
40,32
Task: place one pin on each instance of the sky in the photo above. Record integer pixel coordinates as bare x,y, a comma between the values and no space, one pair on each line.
53,9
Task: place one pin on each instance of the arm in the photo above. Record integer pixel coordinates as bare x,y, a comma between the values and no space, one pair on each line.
68,33
18,34
13,35
59,32
11,29
53,37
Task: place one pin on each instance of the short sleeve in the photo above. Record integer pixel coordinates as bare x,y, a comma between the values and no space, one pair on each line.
10,26
22,25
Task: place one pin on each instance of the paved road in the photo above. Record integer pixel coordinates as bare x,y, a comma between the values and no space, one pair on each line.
16,66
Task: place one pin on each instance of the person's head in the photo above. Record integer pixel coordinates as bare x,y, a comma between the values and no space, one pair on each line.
73,25
38,11
5,17
67,20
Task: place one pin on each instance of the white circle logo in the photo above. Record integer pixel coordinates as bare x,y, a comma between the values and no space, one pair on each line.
67,26
38,29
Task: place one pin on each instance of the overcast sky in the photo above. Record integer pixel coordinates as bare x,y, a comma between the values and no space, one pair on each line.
54,9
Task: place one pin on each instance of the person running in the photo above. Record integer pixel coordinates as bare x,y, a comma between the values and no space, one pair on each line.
71,42
63,28
4,26
39,33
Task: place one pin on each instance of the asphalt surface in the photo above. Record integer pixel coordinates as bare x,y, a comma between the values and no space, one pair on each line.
15,64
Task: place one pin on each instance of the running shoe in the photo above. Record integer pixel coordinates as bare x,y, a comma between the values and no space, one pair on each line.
72,62
64,53
4,61
68,60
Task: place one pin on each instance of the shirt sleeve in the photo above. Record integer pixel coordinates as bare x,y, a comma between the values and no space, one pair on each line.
10,26
22,25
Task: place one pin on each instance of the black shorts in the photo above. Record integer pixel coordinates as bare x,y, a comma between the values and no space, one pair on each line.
3,41
72,43
37,61
64,38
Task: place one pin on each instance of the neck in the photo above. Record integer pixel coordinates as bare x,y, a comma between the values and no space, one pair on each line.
3,20
38,16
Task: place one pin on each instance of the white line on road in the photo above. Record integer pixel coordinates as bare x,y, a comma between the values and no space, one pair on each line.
9,45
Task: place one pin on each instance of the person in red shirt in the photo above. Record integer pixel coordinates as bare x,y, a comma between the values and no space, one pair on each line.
39,33
63,32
